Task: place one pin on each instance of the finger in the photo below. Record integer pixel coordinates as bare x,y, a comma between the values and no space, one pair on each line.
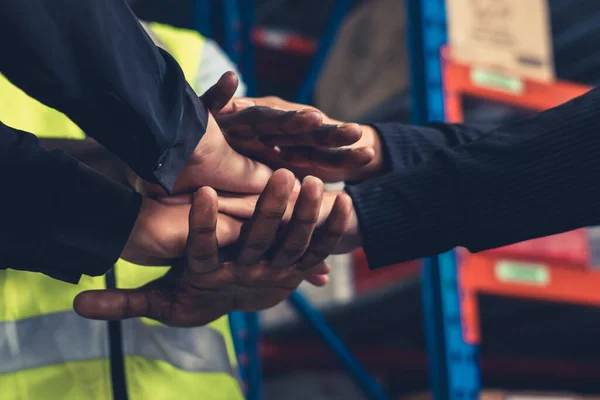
228,230
302,225
113,304
318,275
237,205
317,280
175,200
202,248
258,121
328,158
242,103
219,95
325,135
238,104
243,205
258,233
329,235
320,269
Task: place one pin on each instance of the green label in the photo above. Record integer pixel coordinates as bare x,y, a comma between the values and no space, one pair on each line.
494,80
517,272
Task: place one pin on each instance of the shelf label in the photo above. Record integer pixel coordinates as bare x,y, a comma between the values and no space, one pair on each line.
493,80
519,272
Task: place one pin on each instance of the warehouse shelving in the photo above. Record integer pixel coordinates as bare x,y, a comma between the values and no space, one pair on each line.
451,284
441,303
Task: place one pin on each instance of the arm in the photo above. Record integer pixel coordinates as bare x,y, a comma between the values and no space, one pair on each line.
64,219
93,61
94,155
533,178
58,215
381,148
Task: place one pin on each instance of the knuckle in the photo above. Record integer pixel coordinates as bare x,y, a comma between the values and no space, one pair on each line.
271,214
204,256
202,230
307,220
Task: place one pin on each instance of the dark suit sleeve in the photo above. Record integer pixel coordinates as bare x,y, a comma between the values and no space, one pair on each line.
532,178
58,216
93,61
406,145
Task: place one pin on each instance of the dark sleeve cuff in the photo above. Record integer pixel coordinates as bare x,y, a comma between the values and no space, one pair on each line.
395,145
403,216
190,129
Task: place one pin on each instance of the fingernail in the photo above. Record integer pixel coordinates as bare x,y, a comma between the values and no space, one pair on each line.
241,104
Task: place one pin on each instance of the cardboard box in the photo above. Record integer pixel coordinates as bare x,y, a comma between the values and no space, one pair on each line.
368,62
510,36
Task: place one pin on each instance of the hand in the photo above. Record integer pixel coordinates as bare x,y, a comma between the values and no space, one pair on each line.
214,163
160,232
269,130
242,206
201,288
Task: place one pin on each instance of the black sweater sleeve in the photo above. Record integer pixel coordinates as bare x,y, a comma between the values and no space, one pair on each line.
93,61
532,178
58,216
406,145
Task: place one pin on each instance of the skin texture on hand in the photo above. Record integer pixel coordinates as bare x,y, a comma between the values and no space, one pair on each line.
242,206
269,262
329,149
160,233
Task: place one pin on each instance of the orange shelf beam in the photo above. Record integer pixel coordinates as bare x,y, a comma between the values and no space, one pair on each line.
477,274
536,96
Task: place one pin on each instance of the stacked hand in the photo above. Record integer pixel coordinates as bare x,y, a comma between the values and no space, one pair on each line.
264,270
331,150
274,248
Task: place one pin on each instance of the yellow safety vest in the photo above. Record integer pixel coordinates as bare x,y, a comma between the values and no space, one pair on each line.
49,352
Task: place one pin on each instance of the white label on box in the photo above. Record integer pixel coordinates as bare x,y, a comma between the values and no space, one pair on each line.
512,36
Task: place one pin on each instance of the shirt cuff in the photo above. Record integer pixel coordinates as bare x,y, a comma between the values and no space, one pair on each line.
191,126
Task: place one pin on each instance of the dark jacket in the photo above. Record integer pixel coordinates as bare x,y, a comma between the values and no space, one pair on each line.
93,61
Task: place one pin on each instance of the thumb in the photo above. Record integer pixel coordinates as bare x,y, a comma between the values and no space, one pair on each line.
112,304
221,92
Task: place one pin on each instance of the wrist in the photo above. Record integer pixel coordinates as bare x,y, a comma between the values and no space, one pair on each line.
370,138
159,234
352,238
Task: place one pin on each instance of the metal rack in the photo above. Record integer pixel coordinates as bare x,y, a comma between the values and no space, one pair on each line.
450,288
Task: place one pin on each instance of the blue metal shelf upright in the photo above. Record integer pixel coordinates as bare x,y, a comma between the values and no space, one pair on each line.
453,363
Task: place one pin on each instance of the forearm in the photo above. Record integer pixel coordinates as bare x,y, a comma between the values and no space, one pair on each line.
58,216
94,62
529,179
94,155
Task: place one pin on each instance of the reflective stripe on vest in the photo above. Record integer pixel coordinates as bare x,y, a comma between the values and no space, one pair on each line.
65,336
47,351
